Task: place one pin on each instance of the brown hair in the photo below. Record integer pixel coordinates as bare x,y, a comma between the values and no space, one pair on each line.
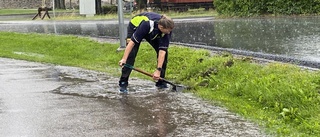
166,22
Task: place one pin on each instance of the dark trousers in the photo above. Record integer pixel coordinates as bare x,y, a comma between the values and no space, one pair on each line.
132,56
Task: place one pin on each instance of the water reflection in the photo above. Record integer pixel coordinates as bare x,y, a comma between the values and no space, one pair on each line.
195,33
298,37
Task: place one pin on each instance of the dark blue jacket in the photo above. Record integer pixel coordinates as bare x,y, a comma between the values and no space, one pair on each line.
146,27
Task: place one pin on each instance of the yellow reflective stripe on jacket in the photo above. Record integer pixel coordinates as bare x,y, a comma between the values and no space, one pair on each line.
154,37
138,19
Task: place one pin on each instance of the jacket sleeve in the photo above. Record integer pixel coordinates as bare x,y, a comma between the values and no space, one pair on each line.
141,32
164,42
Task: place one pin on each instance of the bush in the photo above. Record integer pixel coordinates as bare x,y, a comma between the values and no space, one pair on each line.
250,8
111,9
239,7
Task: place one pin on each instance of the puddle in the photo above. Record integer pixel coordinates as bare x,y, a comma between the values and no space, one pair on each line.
48,100
160,113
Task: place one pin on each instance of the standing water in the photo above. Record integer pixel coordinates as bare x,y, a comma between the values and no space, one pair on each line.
40,100
297,37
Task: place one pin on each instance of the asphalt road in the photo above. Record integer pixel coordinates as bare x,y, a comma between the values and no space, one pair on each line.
43,100
28,109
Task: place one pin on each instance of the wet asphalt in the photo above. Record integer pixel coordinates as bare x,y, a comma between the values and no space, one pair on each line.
44,100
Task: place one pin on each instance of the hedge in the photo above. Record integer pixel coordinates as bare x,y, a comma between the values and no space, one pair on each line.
260,7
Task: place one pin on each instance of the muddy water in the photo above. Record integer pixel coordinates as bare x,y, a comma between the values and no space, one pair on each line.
47,100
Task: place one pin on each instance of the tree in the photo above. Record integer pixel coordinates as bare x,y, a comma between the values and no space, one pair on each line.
98,7
141,4
59,4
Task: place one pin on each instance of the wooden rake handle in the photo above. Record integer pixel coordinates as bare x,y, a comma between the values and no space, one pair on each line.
147,73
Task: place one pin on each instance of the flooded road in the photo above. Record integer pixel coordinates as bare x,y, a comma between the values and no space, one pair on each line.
28,108
45,100
293,40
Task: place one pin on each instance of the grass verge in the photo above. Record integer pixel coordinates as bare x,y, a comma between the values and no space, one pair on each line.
74,14
282,98
17,11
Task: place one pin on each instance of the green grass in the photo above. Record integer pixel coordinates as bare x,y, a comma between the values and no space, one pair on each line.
191,13
28,11
173,14
74,14
282,98
17,11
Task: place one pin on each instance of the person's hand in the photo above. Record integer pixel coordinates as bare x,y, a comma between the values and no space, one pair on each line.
122,62
156,75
